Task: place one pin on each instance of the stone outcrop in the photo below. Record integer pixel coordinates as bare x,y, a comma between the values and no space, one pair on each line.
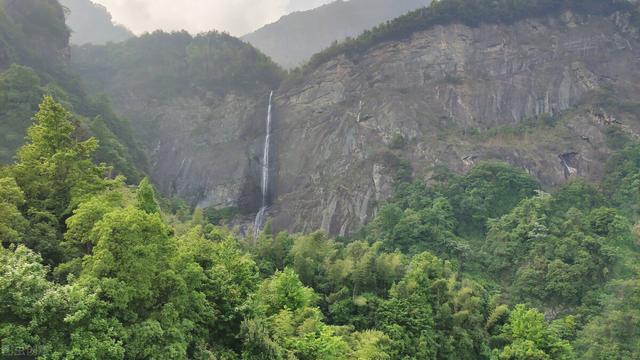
206,149
543,94
526,93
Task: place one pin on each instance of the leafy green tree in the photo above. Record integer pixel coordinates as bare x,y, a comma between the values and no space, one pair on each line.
75,323
22,284
310,256
530,337
80,239
131,268
623,181
146,196
55,172
291,322
577,194
54,168
614,333
225,277
12,223
489,190
430,316
370,345
283,291
272,252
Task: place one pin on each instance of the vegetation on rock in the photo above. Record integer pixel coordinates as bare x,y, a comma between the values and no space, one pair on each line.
479,266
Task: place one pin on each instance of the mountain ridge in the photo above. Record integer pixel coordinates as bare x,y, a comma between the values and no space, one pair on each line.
33,63
92,23
294,38
544,94
349,126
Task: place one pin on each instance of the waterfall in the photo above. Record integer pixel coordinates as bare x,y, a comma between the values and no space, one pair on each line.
259,221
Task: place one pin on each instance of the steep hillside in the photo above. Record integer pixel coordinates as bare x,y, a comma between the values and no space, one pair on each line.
551,93
33,62
549,86
294,38
33,32
197,103
91,23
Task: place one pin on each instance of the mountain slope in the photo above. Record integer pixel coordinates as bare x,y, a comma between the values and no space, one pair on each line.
553,94
548,86
33,63
33,32
91,23
197,104
294,38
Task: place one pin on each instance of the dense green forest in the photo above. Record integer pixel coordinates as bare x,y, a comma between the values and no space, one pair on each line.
33,57
477,266
162,64
468,12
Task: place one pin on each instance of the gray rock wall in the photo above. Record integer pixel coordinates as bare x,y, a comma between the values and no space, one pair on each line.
457,95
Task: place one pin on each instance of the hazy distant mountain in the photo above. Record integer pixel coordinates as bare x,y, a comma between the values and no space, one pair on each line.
294,38
302,5
91,23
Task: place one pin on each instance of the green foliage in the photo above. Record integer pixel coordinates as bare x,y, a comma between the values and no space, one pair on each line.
446,218
22,284
218,216
578,194
556,261
178,62
293,326
146,197
20,93
530,337
117,143
488,191
225,276
310,255
371,345
399,168
12,223
430,315
284,291
120,282
55,172
614,333
33,49
623,180
34,30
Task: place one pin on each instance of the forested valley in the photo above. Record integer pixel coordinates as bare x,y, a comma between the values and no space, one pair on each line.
96,263
483,265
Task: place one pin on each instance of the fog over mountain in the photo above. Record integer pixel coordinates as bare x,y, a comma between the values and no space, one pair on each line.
238,17
294,38
91,23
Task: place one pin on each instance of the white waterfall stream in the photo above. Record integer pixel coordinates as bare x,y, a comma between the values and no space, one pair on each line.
259,221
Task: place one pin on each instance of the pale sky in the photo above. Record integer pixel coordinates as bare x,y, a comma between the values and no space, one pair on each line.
237,17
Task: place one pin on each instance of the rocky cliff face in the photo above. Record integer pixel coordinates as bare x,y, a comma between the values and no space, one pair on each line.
196,103
550,95
547,95
205,149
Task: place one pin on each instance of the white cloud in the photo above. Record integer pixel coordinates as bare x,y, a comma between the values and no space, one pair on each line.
237,17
